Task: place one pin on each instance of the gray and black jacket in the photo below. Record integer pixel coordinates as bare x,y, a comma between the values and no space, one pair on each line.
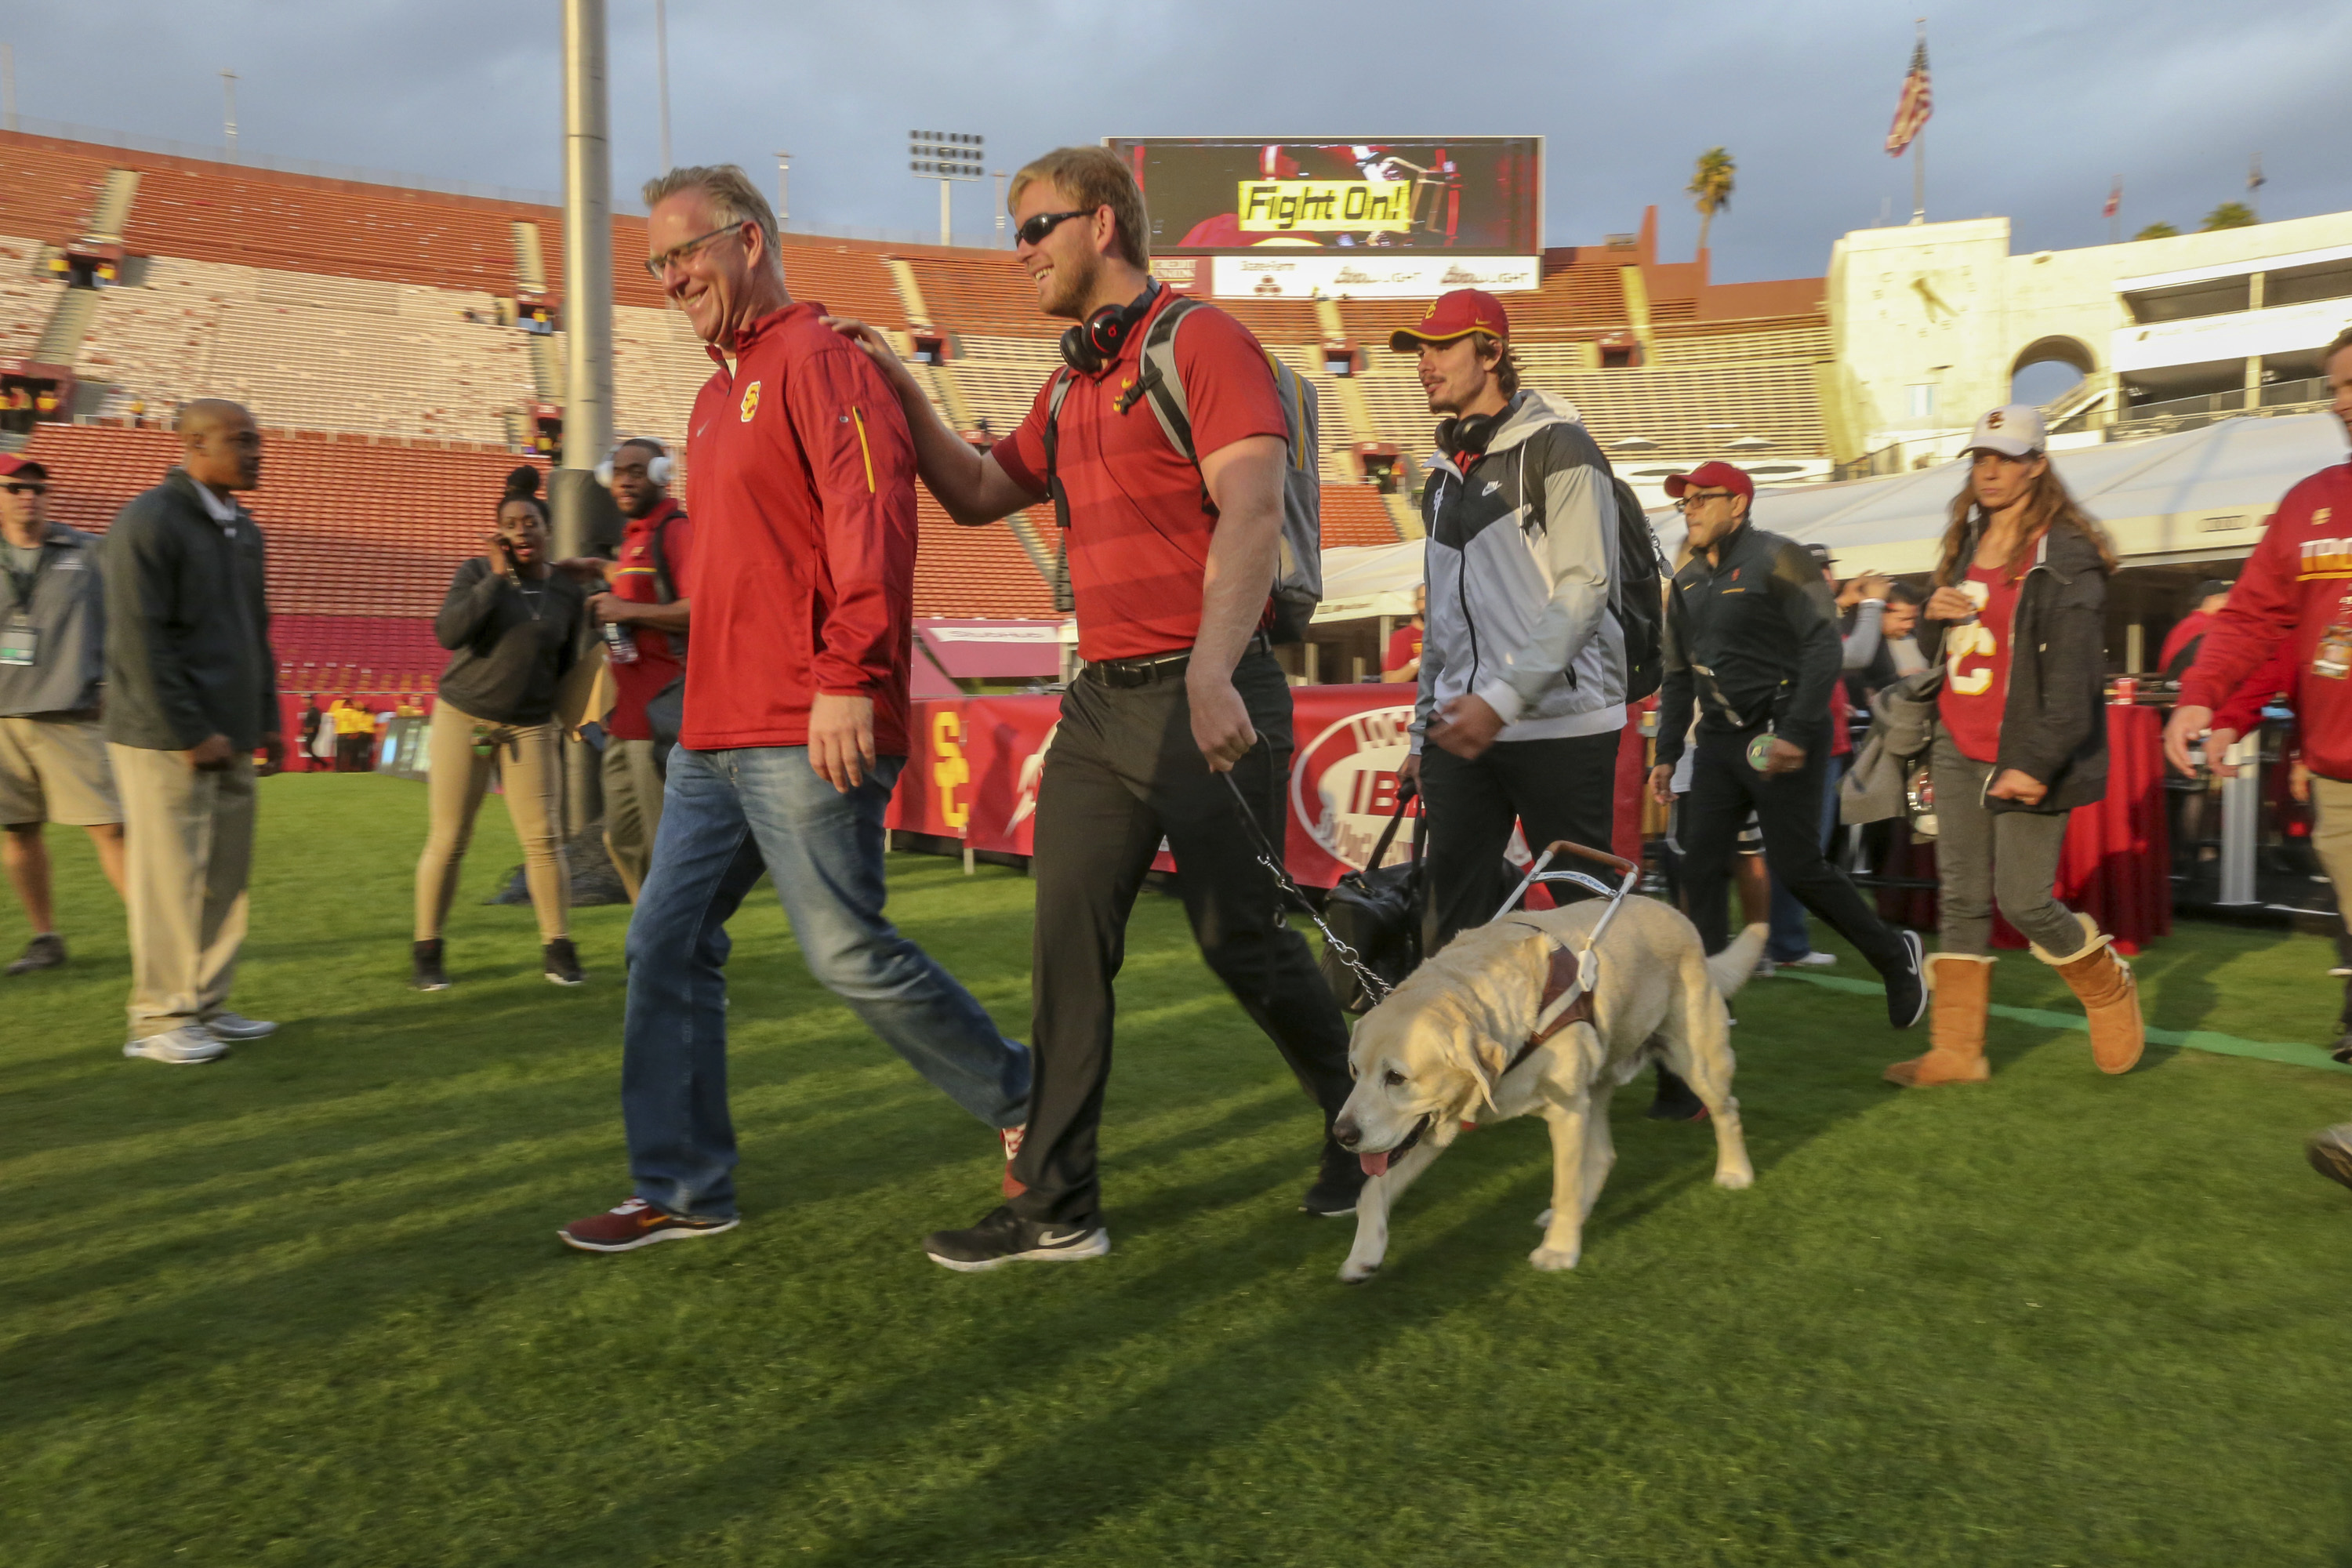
1751,640
2054,724
1520,560
187,625
68,610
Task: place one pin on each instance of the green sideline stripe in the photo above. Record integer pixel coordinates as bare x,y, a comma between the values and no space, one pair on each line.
2195,1040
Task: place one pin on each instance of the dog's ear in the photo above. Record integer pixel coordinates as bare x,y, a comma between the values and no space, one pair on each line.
1471,1052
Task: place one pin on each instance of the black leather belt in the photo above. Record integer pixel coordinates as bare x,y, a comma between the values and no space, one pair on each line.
1150,668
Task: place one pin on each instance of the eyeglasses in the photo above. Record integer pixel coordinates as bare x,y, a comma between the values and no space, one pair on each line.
1035,229
1695,497
656,266
24,487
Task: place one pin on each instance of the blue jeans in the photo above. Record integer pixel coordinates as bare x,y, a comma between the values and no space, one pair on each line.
727,815
1792,939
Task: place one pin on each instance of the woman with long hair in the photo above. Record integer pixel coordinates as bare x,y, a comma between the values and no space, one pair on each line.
2018,618
511,623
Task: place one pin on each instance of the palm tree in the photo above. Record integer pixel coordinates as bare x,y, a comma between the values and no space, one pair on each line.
2157,231
2228,215
1712,186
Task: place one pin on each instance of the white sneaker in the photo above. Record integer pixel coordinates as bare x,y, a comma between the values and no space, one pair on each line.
238,1027
1811,961
182,1046
1764,968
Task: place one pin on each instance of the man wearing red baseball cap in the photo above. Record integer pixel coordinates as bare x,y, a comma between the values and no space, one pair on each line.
1523,667
1752,641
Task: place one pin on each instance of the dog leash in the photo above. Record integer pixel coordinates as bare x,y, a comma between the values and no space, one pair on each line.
1374,986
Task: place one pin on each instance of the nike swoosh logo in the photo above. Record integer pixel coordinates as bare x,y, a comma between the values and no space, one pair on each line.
1492,486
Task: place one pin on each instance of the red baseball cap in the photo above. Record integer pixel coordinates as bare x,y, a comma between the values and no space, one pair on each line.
12,465
1712,476
1452,315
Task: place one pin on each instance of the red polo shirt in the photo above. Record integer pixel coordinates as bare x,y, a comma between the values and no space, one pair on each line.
632,579
1139,518
801,478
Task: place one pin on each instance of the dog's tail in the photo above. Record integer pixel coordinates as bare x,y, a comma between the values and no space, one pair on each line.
1730,968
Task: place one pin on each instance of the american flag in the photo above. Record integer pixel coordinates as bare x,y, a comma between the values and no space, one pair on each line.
1918,103
2115,199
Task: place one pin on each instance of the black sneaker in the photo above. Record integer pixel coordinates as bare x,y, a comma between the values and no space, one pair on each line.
1333,1196
1005,1237
561,960
46,950
1675,1101
426,958
1906,988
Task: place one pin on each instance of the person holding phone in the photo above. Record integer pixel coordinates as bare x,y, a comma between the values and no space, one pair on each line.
513,625
2018,617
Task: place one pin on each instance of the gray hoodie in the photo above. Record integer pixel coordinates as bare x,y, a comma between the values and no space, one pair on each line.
1520,563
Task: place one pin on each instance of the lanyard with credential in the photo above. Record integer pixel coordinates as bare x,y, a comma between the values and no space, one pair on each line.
22,585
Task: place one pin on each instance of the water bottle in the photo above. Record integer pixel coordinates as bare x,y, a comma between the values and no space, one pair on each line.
620,646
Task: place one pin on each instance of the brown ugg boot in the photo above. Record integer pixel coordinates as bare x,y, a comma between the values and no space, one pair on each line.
2106,986
1961,986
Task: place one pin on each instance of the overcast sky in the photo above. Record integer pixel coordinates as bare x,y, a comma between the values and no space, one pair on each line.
2037,108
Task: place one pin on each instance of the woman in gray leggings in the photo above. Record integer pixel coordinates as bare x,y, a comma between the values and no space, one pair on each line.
2018,618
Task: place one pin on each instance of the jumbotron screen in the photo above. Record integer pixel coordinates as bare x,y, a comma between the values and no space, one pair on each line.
1478,194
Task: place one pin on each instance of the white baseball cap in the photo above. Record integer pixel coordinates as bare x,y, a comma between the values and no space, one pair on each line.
2014,430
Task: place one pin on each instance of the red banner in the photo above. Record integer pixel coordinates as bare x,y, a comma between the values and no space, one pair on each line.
976,761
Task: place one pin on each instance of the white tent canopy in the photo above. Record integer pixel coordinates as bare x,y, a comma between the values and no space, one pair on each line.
1361,580
2197,495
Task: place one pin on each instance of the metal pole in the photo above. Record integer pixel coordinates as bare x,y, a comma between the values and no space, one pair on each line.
587,265
783,175
1000,209
1920,177
661,57
2241,805
228,113
944,187
9,83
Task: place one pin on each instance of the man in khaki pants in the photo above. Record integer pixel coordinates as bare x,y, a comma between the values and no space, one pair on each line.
52,659
192,690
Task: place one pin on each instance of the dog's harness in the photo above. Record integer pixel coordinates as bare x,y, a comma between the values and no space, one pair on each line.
1570,975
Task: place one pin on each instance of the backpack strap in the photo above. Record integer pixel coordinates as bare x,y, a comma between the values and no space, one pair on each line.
1157,377
1062,379
666,586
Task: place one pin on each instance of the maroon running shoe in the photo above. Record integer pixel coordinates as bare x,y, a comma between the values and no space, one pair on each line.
633,1224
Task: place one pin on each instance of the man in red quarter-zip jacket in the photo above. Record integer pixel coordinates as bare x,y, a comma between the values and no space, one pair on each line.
2295,595
801,484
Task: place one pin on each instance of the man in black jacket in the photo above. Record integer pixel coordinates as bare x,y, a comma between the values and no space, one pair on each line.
1752,638
192,691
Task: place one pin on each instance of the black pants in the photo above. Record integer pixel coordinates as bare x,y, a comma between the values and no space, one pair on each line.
1122,772
1788,807
1564,788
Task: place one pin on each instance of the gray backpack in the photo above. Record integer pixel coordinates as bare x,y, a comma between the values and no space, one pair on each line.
1298,577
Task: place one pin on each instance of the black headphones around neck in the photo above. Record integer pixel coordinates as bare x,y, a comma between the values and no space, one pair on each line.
1097,341
1469,435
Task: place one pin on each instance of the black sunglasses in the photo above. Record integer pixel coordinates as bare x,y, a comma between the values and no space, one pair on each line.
1036,229
26,488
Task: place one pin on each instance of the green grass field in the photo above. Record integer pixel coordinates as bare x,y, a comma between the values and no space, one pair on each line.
307,1307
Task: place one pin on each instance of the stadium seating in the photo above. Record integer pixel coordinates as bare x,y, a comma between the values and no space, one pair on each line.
357,322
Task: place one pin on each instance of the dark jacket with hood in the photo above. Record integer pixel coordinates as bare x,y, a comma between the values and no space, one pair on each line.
1751,638
2053,726
187,625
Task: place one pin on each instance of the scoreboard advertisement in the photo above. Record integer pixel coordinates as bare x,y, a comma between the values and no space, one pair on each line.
1370,219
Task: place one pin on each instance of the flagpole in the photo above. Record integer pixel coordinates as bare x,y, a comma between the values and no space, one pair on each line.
1919,155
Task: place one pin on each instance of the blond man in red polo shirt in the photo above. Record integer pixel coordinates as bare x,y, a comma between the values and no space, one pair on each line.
1171,565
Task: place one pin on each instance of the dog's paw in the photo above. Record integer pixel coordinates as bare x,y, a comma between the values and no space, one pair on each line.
1543,1220
1354,1273
1553,1259
1738,1180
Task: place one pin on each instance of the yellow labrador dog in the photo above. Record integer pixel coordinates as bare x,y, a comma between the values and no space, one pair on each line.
1449,1047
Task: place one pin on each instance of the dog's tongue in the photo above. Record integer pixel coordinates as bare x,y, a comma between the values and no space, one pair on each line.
1373,1164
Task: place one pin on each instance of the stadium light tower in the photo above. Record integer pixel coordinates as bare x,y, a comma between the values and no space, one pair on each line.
946,156
783,181
661,59
587,276
229,111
